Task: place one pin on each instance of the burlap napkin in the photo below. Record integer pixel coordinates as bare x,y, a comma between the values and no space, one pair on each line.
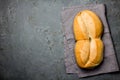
109,64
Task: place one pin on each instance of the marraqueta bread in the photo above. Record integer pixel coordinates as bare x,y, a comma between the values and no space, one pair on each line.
88,29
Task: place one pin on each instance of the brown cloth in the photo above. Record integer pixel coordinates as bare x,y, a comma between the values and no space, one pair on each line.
109,63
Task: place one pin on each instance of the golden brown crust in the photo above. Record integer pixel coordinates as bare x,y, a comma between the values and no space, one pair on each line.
88,29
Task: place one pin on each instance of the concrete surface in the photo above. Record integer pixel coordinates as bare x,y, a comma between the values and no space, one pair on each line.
31,39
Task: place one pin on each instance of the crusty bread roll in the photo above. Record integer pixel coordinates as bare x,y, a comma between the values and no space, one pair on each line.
88,29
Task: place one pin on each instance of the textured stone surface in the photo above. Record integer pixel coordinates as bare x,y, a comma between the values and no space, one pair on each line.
31,39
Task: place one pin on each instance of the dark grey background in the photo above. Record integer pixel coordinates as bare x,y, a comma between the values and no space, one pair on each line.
31,39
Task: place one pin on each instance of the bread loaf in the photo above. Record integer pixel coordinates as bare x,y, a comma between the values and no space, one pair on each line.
88,29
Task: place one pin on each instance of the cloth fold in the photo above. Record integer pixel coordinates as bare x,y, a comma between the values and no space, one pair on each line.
109,63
